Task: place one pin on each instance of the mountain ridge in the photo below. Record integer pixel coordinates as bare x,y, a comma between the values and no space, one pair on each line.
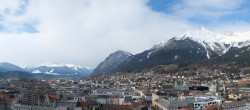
112,61
60,69
190,47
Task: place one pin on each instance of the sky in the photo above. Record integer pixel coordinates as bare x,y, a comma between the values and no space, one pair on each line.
85,32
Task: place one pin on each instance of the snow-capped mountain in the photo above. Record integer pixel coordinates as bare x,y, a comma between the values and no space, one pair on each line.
202,34
112,61
190,47
234,37
176,51
60,69
26,67
218,43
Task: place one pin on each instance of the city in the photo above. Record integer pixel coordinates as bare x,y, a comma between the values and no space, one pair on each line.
149,91
124,55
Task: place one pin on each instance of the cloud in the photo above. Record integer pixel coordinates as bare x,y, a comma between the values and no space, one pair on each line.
208,11
12,19
219,5
217,15
84,31
234,26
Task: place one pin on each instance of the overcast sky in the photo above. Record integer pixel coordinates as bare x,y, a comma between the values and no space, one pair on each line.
85,32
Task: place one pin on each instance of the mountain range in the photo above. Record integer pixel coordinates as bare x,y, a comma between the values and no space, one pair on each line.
11,70
195,46
59,69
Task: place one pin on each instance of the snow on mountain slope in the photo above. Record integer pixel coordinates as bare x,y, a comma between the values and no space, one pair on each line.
49,64
219,43
230,36
60,69
200,34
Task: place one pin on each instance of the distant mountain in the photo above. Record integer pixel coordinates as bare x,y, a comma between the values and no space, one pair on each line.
112,62
27,68
5,67
190,47
8,70
60,69
15,74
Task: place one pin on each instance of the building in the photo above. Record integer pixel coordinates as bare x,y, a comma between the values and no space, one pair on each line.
30,96
106,99
198,100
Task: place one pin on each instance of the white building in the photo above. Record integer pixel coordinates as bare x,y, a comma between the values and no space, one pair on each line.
198,102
